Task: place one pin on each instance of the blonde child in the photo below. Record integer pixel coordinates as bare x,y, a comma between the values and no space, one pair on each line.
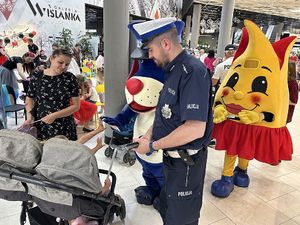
87,109
91,93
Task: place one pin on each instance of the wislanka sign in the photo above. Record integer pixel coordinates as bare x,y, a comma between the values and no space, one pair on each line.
55,11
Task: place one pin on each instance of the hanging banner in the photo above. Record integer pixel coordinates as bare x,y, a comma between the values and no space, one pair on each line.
46,18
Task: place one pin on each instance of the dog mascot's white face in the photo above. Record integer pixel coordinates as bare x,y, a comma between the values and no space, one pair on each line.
143,87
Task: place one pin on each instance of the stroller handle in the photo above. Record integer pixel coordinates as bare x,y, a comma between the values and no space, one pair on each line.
124,147
130,146
40,181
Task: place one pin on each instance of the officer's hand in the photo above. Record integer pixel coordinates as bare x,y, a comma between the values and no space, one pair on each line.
220,114
250,117
143,147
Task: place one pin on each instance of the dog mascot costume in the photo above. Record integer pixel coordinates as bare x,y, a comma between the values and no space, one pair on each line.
142,90
250,108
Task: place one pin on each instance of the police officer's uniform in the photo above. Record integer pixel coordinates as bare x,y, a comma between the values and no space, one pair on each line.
185,96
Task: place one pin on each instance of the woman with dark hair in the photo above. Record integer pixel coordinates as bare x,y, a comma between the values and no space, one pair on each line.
208,61
7,75
49,96
29,68
293,90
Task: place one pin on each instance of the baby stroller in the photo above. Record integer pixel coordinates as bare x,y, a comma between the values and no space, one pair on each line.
122,126
118,139
61,178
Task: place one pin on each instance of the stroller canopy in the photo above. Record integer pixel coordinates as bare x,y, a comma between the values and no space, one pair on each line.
19,150
67,162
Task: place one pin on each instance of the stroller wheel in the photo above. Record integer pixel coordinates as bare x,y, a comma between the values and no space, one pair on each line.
126,158
111,219
108,152
132,158
121,212
129,158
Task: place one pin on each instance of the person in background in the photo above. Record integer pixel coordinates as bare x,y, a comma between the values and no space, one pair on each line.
29,69
223,67
100,68
208,61
293,90
91,94
42,58
100,61
294,57
77,54
203,55
34,49
7,75
49,96
298,74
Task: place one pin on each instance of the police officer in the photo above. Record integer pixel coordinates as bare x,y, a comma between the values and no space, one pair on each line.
222,68
182,124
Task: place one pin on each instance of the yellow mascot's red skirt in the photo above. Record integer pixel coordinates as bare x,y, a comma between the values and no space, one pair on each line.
268,145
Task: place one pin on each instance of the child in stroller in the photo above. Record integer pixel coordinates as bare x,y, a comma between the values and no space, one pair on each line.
61,178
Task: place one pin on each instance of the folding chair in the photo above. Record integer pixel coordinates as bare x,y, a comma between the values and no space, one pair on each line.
13,107
3,121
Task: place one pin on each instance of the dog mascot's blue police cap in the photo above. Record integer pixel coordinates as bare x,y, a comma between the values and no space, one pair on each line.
144,32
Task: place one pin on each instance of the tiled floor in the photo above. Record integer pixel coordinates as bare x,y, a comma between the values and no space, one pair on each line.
272,198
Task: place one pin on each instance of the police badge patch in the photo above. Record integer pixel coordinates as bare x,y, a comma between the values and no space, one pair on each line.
166,111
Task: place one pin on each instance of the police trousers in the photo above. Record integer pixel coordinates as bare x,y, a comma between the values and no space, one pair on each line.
181,196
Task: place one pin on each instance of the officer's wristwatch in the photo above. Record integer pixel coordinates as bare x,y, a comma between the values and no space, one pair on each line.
151,148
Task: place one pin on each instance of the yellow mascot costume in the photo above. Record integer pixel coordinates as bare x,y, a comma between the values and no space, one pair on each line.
250,108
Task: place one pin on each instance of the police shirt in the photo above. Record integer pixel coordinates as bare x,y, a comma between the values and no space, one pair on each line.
222,69
186,95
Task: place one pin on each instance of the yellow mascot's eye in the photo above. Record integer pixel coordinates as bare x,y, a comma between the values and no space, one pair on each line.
232,81
259,84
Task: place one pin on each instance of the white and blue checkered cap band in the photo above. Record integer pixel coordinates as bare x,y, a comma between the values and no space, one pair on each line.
149,29
153,27
146,31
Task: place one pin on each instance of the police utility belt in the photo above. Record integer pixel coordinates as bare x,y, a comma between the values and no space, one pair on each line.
185,155
175,154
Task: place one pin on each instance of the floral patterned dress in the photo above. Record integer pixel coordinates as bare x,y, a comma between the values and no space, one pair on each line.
51,94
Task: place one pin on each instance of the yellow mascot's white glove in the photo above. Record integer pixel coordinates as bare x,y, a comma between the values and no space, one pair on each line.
220,114
250,117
